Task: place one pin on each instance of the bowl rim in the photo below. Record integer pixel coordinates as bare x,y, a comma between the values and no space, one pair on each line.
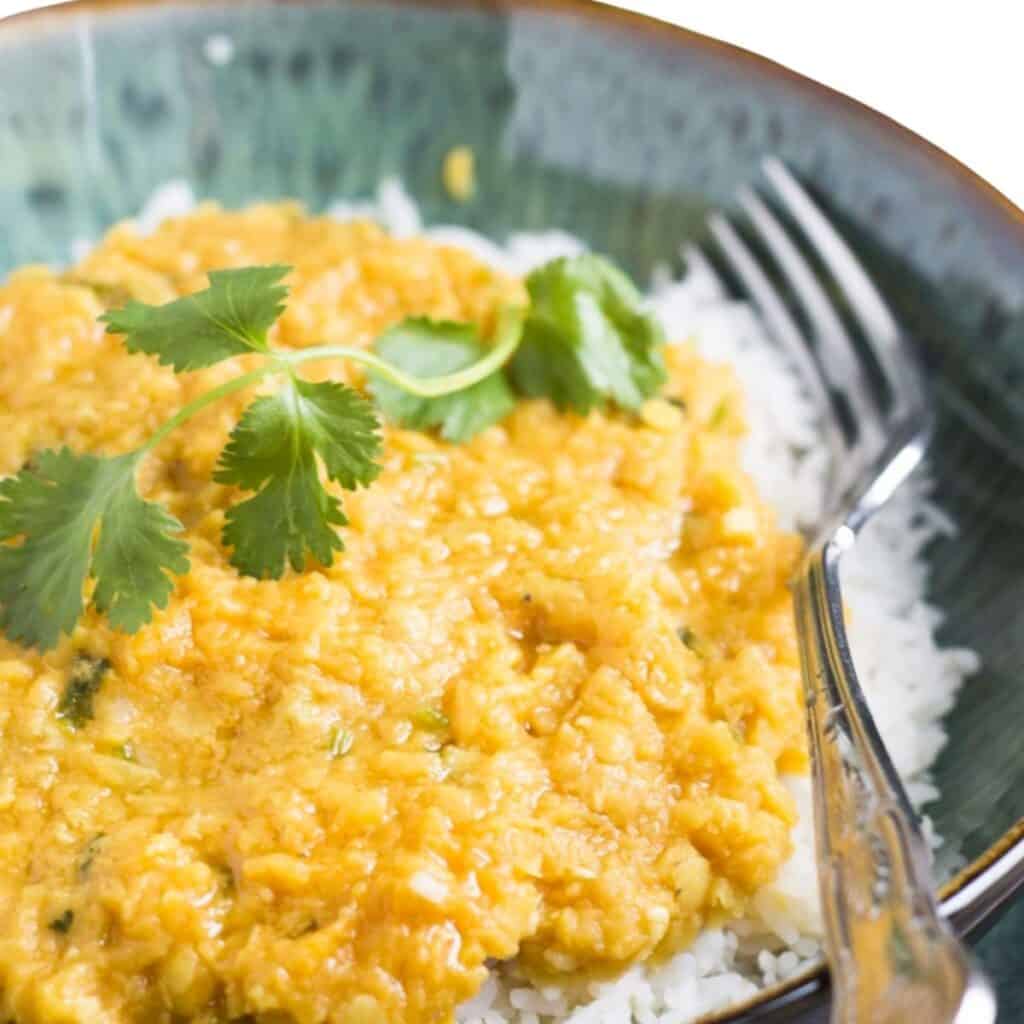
598,12
973,897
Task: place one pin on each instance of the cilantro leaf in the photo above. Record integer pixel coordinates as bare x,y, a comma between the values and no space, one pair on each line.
229,318
79,515
274,450
587,339
292,515
431,348
135,551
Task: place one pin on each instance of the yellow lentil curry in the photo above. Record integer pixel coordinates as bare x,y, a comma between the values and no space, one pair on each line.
539,706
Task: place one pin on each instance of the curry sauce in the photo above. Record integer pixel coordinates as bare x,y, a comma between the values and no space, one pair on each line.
538,707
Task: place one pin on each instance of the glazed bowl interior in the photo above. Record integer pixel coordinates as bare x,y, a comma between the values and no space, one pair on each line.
625,135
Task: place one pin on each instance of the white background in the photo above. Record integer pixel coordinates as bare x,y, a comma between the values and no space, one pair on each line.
952,71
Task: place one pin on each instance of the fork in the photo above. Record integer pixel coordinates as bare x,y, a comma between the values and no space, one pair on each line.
892,957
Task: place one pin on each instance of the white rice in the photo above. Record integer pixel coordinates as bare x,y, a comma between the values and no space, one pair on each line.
884,581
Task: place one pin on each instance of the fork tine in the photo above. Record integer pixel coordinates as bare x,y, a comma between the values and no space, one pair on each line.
866,303
696,260
836,353
780,324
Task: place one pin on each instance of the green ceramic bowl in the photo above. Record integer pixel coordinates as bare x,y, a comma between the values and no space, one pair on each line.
626,132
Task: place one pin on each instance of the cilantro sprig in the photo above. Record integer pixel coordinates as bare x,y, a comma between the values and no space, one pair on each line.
275,450
80,515
429,347
588,339
74,529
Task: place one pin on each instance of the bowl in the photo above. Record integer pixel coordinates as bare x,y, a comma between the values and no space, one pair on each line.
627,132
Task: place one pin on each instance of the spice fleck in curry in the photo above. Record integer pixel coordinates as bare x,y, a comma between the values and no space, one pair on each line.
539,706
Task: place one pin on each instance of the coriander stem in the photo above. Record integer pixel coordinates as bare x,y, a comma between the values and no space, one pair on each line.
186,412
506,342
510,324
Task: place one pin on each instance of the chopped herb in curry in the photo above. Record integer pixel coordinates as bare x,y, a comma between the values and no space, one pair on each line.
431,719
89,854
84,680
340,743
62,924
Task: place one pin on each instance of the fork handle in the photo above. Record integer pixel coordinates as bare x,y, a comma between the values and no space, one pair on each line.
893,958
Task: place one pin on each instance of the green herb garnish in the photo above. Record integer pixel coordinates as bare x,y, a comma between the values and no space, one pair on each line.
691,641
67,517
277,450
76,703
80,515
719,415
226,877
89,854
587,339
62,924
230,318
340,743
431,719
427,348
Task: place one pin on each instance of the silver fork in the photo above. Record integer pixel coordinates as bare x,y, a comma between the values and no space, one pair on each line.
892,956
